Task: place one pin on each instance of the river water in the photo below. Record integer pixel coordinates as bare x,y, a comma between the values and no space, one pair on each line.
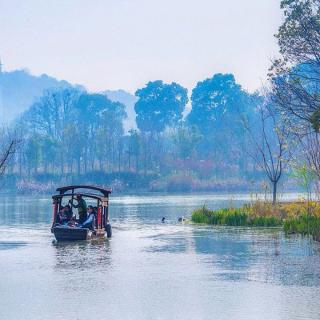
153,270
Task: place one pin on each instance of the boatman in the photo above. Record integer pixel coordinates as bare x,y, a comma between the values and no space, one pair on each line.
82,208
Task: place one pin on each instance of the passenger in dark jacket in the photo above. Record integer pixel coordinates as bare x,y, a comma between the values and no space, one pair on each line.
68,212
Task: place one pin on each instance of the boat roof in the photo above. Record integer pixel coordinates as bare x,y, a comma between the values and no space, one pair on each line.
103,191
87,195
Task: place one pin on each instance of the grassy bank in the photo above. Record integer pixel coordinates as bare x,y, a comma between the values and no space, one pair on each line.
295,217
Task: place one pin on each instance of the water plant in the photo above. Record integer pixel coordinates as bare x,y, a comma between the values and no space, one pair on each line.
304,224
301,217
244,216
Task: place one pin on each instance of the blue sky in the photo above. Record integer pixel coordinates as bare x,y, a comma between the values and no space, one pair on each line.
114,44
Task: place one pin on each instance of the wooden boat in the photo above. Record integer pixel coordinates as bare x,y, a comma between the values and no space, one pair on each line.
97,224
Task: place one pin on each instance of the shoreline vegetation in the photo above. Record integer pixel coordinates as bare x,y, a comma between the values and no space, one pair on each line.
300,217
127,181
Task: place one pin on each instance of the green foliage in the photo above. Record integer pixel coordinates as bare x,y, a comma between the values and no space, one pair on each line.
234,217
68,126
304,176
294,76
296,217
186,139
218,99
315,120
298,36
160,105
304,224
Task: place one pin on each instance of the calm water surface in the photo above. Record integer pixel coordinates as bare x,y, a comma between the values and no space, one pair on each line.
150,270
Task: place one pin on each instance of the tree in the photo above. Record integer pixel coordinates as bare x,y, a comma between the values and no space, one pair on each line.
216,102
100,122
218,105
134,146
9,144
186,139
305,177
310,150
269,144
296,75
159,106
68,126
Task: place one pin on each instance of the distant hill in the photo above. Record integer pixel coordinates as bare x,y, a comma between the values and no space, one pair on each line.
19,89
128,100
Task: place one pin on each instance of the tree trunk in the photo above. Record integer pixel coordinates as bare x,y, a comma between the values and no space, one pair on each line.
274,192
79,165
129,160
61,164
85,162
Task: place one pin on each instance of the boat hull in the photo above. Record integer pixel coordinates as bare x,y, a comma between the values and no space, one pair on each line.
65,233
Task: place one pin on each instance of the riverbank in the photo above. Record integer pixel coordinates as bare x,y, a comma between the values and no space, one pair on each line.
126,182
294,217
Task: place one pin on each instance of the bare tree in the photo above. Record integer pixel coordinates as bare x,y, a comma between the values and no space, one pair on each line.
269,144
9,145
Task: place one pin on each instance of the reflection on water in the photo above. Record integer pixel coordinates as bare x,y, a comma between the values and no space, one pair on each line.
5,245
154,270
82,255
260,256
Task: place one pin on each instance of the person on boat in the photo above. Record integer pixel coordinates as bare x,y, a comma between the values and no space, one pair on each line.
68,212
82,208
61,216
91,210
89,223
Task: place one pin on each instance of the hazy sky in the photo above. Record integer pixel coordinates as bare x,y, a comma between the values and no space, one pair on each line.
112,44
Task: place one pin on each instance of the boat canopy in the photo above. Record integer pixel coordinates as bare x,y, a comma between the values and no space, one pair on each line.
103,191
87,195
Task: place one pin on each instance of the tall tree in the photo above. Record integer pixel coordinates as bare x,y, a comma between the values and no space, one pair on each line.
269,144
186,139
160,105
216,103
296,75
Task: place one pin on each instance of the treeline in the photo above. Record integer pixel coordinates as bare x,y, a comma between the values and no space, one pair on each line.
72,135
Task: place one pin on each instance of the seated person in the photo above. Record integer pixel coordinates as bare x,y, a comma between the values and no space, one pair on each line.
64,215
68,212
91,210
61,217
89,223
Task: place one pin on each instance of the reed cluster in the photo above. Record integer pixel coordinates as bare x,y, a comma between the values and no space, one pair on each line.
301,217
244,216
305,224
